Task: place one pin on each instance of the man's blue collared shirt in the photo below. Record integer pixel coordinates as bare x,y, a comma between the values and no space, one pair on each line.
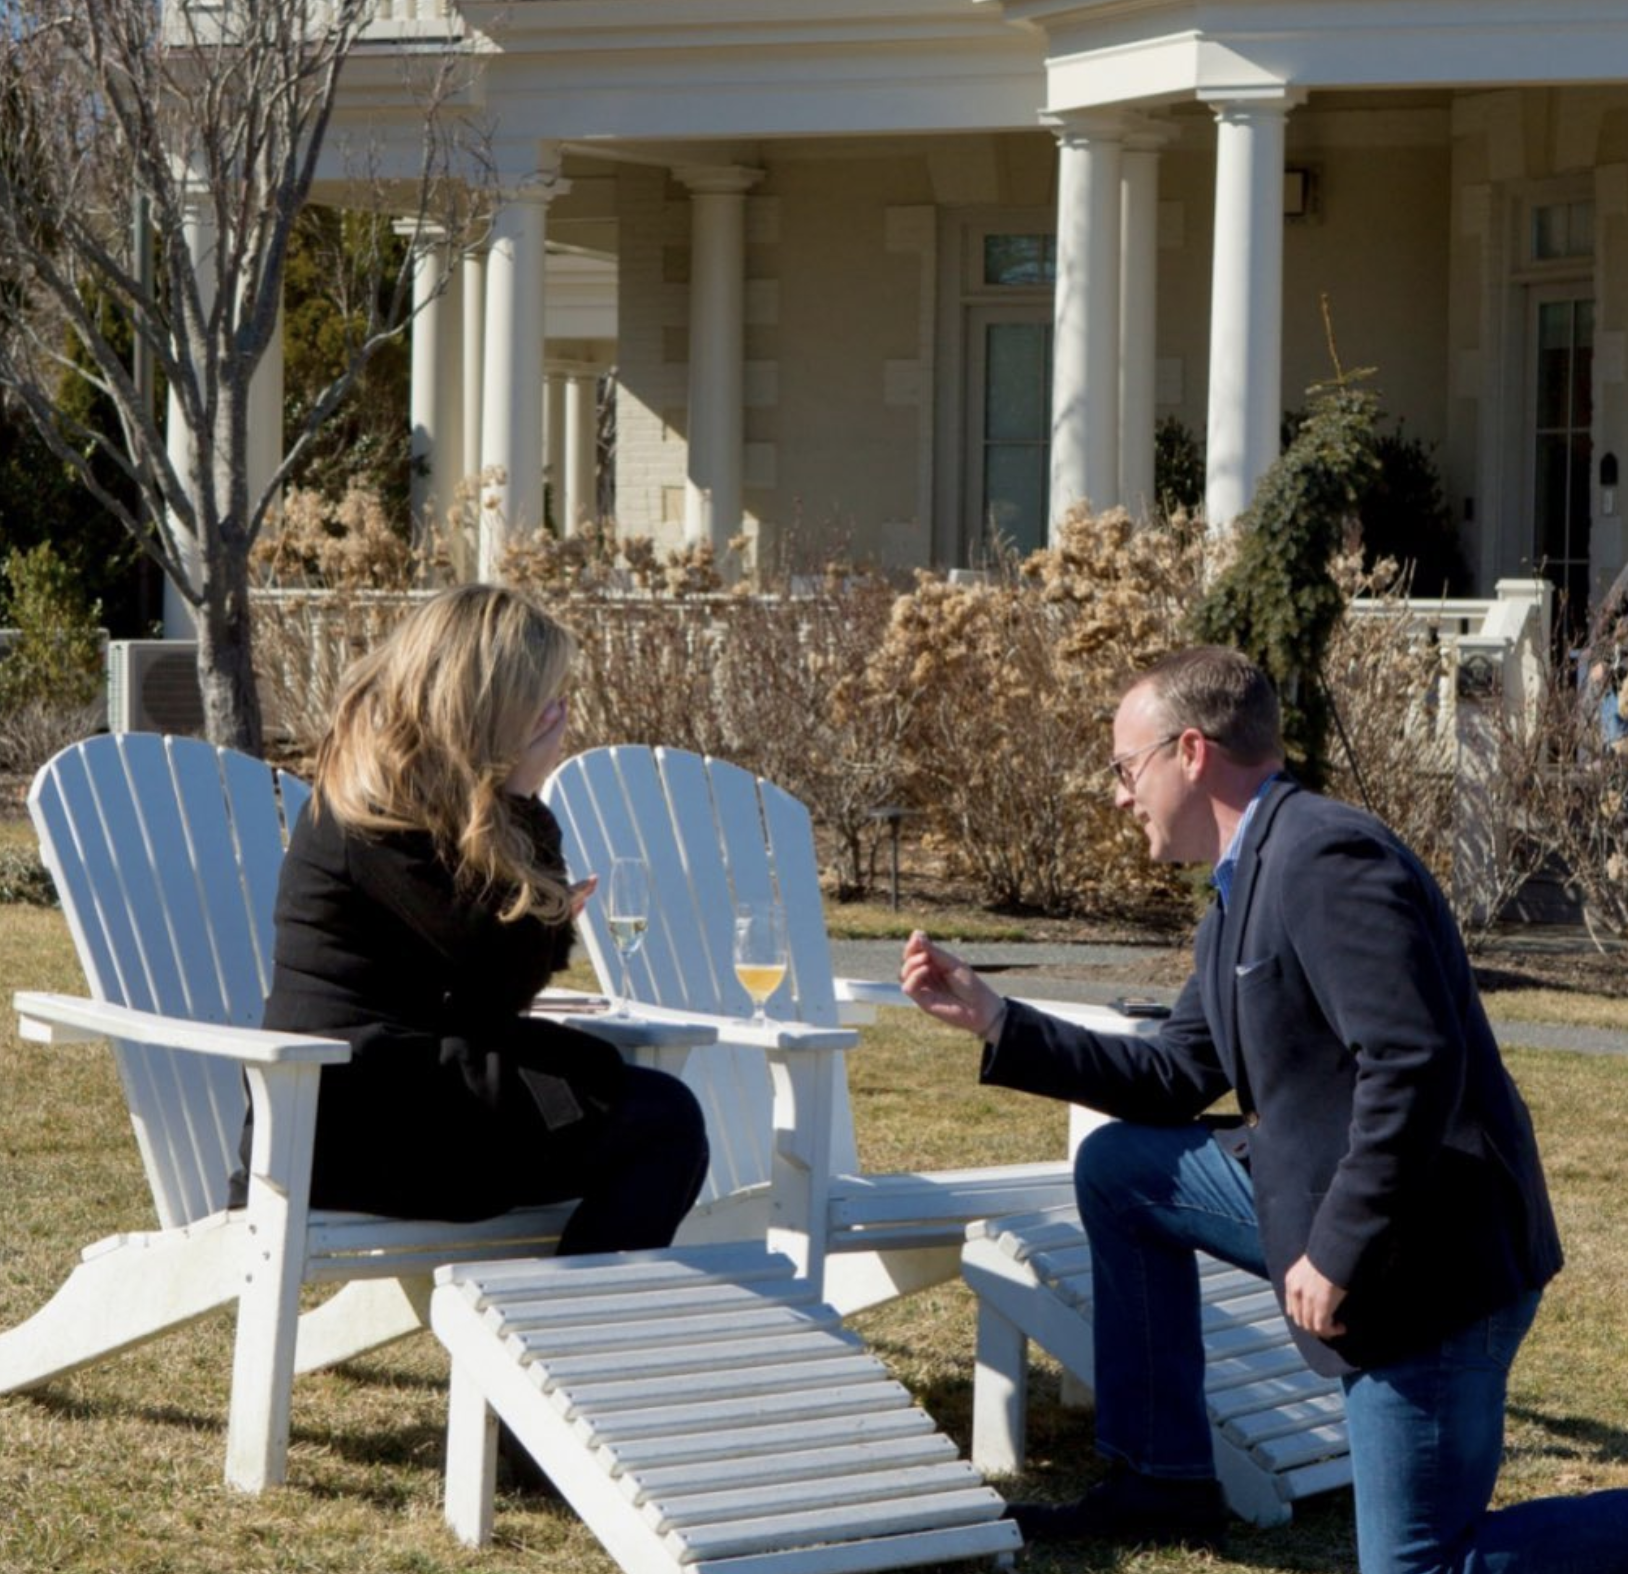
1221,878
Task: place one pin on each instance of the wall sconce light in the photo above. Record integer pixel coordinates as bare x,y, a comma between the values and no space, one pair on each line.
1608,484
1299,192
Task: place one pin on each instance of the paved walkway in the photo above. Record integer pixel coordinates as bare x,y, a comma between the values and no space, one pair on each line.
1086,972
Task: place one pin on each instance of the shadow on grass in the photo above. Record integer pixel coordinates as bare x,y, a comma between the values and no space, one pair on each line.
1574,1437
377,1456
371,1373
87,1407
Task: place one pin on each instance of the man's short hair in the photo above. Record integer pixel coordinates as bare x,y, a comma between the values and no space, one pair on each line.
1223,694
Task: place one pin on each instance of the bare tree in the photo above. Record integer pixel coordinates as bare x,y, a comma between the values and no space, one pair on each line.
201,127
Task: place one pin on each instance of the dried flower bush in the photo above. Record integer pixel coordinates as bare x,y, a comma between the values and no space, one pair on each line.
1573,802
800,702
334,577
1012,686
778,684
649,633
1393,751
1466,782
985,710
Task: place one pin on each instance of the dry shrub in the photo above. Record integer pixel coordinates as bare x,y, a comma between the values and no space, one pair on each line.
800,703
984,709
1475,785
1392,751
645,673
336,578
350,544
1011,688
34,729
1573,801
649,630
778,684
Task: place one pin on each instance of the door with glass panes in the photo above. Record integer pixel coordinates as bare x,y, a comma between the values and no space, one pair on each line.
1008,440
1561,384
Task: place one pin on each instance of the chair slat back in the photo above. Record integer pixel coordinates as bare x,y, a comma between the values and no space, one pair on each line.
713,835
165,853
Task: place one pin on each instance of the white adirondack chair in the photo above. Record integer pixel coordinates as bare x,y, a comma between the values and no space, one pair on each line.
688,1405
165,854
714,835
1277,1429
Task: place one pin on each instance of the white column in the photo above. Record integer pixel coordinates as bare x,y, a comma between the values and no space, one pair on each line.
437,402
450,459
423,406
512,381
1138,314
554,444
1085,347
713,486
581,449
178,437
1246,302
473,356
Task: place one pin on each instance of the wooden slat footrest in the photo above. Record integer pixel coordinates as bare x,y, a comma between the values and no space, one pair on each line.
1279,1429
701,1409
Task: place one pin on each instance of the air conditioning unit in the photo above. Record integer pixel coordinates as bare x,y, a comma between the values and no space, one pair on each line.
152,686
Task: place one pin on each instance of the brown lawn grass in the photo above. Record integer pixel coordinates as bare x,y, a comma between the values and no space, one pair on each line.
117,1470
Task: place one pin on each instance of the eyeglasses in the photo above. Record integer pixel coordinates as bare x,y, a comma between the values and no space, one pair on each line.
1120,763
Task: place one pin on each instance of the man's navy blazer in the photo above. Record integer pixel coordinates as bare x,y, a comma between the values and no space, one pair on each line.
1386,1141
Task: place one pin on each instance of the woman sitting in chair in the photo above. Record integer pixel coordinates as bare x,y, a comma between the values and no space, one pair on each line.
422,905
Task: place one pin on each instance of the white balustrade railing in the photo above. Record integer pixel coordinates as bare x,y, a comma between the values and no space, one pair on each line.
208,20
388,15
1492,682
1493,647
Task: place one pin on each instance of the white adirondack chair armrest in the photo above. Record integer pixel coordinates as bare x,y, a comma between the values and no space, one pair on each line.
774,1035
667,1027
869,992
1100,1019
69,1019
649,1027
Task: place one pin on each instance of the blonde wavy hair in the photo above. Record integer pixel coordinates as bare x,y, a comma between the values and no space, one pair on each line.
429,725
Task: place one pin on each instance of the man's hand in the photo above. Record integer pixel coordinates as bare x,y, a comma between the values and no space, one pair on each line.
1312,1300
948,990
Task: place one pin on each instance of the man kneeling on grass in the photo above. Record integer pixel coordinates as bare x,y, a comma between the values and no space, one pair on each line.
1384,1172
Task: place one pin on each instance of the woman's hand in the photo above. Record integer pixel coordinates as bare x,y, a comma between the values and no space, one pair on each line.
948,990
542,753
580,892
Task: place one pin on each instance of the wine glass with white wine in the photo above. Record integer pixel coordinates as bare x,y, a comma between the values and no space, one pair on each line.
760,952
628,915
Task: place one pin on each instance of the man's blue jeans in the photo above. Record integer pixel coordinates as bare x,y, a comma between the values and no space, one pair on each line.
1426,1433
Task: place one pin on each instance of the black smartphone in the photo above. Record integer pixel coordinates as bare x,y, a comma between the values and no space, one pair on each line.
1139,1006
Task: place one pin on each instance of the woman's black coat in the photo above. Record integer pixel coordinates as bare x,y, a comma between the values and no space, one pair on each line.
455,1105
